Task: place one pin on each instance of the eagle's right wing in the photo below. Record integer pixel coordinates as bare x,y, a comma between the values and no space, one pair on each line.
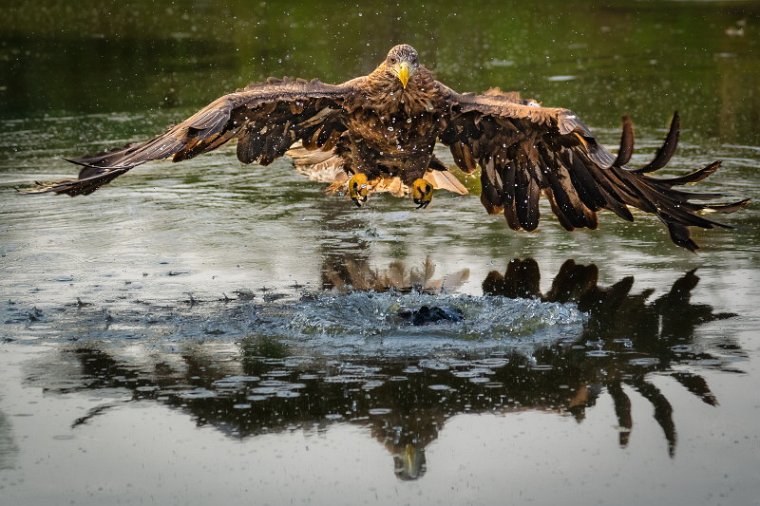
266,118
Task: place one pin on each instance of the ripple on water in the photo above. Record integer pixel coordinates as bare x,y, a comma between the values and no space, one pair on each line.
287,394
372,384
344,378
492,362
465,374
441,388
198,393
274,388
234,382
279,373
644,361
434,365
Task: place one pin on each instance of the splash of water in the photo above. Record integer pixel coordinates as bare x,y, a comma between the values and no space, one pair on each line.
370,323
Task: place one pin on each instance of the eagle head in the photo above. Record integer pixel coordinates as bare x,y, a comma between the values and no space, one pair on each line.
403,62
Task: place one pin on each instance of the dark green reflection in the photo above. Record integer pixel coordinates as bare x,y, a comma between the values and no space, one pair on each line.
263,386
641,58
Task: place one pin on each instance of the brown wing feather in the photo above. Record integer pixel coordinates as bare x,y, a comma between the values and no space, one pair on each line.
266,118
524,150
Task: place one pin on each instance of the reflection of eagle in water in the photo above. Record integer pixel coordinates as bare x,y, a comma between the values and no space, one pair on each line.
385,125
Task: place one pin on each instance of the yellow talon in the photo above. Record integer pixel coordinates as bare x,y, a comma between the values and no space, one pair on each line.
358,188
422,193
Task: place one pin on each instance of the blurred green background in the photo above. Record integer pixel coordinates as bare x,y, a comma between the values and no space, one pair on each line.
600,59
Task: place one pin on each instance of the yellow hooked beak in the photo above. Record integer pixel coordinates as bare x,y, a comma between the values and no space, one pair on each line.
403,71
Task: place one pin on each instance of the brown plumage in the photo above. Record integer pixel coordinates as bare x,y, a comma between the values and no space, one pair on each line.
386,124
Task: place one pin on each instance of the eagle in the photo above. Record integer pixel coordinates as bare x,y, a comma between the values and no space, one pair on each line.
385,125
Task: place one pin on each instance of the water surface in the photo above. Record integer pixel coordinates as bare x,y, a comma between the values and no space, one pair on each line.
217,332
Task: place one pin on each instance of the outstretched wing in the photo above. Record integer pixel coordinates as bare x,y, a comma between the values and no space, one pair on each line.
525,150
266,118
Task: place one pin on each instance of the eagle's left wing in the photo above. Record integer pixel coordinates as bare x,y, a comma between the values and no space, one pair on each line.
524,150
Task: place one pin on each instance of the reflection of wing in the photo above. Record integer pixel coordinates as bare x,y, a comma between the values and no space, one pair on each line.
525,150
662,330
266,119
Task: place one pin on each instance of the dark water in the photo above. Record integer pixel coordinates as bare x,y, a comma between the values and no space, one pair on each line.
216,332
